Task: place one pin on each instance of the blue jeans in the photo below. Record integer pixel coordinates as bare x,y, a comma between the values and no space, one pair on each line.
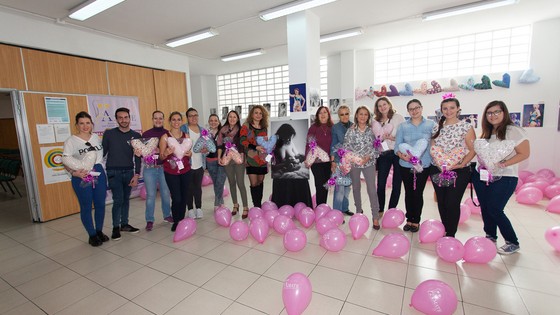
86,195
119,181
218,175
152,177
384,163
340,198
493,199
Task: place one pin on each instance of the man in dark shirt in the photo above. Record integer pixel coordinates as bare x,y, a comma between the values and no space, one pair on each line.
123,170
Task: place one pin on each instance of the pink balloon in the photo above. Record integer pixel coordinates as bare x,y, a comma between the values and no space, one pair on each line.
226,192
531,178
554,205
524,174
465,213
552,191
295,240
392,218
394,245
306,217
185,229
287,210
283,224
389,181
255,212
321,210
450,249
269,205
434,297
335,216
239,231
297,208
546,173
143,192
323,225
333,240
431,231
259,229
552,236
479,250
222,216
269,216
206,180
529,195
296,293
359,225
519,185
474,209
540,183
314,201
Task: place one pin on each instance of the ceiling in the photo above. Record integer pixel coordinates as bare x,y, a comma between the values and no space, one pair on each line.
154,22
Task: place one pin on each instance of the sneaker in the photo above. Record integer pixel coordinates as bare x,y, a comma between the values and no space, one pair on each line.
168,219
348,213
149,226
95,241
192,214
116,234
199,213
129,228
508,249
104,238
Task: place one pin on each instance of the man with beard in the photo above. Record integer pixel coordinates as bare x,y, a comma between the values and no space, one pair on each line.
123,170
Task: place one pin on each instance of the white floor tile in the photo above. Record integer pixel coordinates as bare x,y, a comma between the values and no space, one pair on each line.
200,271
173,262
137,282
201,302
264,295
66,295
165,295
231,282
331,282
284,267
48,282
492,295
256,261
100,302
376,295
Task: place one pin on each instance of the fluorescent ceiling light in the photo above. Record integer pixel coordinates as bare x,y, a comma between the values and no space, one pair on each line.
245,54
291,7
342,34
192,37
92,7
466,8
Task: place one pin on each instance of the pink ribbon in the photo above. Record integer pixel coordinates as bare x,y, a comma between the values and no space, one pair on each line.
377,142
312,146
150,160
89,179
414,160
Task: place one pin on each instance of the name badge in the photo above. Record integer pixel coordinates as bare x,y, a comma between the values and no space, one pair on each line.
484,176
94,173
180,165
384,146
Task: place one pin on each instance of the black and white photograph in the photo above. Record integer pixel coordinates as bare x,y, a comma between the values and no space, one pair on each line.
225,111
267,106
289,152
333,104
282,109
250,107
238,109
213,111
471,119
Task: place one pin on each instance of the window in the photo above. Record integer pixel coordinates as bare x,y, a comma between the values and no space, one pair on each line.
487,52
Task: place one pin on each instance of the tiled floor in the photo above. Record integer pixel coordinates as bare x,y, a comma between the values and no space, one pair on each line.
50,269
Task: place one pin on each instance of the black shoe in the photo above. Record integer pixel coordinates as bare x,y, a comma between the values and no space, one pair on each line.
116,234
173,227
104,238
407,227
129,228
95,241
414,228
348,213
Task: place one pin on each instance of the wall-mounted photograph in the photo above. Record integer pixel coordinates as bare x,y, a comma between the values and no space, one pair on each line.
289,152
239,110
282,109
267,106
533,115
297,98
516,118
225,111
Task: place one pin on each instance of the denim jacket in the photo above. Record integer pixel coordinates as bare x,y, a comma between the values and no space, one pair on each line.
185,128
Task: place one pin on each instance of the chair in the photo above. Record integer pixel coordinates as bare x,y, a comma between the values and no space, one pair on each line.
9,170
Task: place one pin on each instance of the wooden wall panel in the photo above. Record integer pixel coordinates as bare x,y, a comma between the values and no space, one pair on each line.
57,200
51,72
171,91
126,80
11,73
8,134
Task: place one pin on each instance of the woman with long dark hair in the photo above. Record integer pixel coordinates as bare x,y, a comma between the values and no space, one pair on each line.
320,133
215,169
197,165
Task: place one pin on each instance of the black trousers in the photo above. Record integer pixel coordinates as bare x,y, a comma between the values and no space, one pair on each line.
414,198
178,185
321,173
194,191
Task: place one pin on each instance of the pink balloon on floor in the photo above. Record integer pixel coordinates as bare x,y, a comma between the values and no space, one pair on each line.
479,250
434,297
259,229
296,293
554,205
306,217
450,249
185,229
529,195
269,205
524,174
392,218
239,231
471,203
335,216
283,224
552,191
552,236
143,192
295,240
287,210
255,212
333,240
323,225
226,191
546,173
222,216
540,183
519,185
297,208
465,213
269,216
321,210
206,180
359,225
394,245
431,231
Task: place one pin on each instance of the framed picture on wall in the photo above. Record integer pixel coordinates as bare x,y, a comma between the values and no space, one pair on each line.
238,109
533,115
471,119
282,109
213,111
225,110
267,106
516,118
297,98
333,104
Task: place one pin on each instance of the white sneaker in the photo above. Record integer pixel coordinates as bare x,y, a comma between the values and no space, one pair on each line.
192,214
199,213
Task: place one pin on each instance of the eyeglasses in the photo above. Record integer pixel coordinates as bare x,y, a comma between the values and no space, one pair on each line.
494,113
91,147
413,109
344,114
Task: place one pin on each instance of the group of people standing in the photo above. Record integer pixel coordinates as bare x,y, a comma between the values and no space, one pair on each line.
414,149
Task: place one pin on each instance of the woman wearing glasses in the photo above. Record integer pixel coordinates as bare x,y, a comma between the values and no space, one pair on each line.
89,185
198,164
494,195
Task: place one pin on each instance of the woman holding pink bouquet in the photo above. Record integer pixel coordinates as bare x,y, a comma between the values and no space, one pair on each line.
319,137
360,138
90,185
451,151
508,146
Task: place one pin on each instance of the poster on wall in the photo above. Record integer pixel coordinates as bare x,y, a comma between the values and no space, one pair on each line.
516,118
57,110
333,104
51,162
238,109
282,109
471,119
102,109
213,111
289,152
225,111
533,115
297,98
267,107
